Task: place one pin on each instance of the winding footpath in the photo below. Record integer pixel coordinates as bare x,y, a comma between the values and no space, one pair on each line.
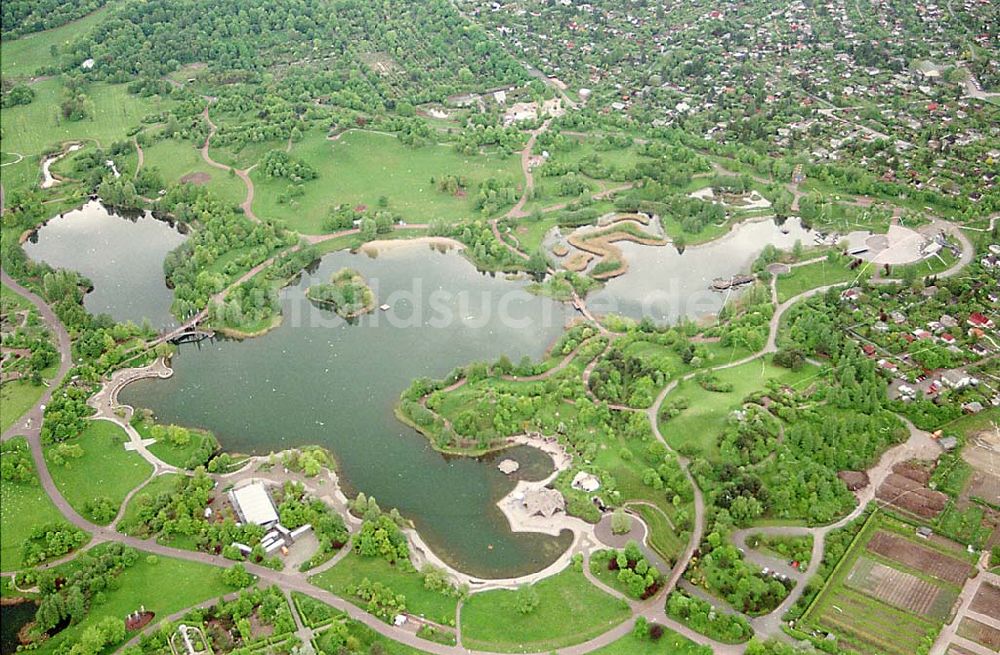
243,174
919,444
30,424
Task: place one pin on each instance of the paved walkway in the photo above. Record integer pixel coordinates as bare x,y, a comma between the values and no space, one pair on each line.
30,424
918,445
107,408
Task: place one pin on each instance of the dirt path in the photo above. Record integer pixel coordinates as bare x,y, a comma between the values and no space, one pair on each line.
517,211
247,204
140,156
16,161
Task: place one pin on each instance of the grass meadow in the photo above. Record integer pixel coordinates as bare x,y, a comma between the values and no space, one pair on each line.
361,167
105,470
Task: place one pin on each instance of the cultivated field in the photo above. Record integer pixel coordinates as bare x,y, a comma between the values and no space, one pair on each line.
980,633
899,589
874,608
915,556
866,626
987,601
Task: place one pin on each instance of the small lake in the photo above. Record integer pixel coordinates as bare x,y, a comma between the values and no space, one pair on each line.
122,255
320,380
12,619
666,285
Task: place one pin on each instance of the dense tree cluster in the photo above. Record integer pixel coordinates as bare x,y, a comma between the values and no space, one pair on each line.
278,163
622,378
701,616
632,570
221,233
66,593
21,17
369,53
50,541
12,95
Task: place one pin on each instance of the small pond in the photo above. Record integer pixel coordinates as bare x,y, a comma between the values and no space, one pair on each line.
122,255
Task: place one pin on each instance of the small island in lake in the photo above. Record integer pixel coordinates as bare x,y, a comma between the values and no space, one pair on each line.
347,293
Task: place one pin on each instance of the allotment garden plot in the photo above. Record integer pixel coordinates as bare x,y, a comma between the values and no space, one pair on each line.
891,591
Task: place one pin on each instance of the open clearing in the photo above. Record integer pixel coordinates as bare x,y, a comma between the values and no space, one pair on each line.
25,506
570,611
810,276
917,557
178,161
106,469
361,167
30,129
24,56
701,423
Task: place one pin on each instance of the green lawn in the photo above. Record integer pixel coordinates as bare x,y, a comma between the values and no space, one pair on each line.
670,643
164,587
361,167
30,129
810,276
662,537
354,568
25,506
16,398
570,611
176,159
106,468
22,57
701,423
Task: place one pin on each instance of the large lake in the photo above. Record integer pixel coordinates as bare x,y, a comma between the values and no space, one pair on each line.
320,380
121,255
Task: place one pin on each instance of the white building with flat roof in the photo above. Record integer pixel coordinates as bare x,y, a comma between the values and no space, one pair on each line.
253,504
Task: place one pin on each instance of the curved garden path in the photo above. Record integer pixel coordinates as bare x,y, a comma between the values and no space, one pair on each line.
652,609
30,423
247,204
16,161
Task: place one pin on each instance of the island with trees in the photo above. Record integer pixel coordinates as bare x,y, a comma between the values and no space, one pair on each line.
347,293
763,237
